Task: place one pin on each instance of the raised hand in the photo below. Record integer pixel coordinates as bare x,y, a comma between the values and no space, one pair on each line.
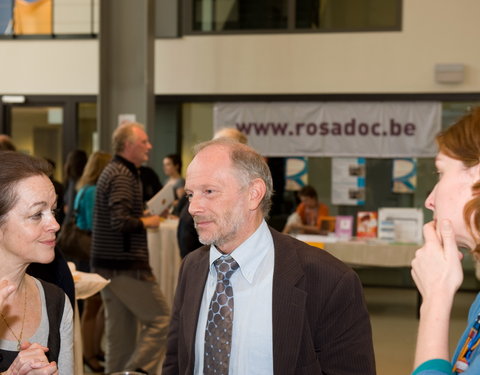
437,268
437,271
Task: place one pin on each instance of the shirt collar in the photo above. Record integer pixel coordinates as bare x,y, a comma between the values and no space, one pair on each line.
127,163
250,253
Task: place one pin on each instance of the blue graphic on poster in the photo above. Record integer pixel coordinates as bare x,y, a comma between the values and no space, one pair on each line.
404,175
296,173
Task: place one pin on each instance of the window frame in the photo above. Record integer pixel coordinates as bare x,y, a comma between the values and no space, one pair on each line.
187,24
53,35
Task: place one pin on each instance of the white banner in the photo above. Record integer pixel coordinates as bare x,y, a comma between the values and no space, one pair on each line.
343,129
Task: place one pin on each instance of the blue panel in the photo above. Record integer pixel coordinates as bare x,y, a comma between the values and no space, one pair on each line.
5,17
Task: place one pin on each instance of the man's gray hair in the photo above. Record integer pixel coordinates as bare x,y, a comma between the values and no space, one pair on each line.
249,163
123,134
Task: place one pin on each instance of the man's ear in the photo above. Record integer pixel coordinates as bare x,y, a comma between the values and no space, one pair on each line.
257,191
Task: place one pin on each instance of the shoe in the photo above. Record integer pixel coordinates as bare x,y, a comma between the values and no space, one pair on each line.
93,364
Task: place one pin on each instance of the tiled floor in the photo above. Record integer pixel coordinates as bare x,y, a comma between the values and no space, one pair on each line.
394,325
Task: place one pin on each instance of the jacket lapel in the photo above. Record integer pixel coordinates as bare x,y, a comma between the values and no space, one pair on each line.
193,299
288,307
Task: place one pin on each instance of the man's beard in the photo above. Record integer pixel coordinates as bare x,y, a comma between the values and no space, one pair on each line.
228,228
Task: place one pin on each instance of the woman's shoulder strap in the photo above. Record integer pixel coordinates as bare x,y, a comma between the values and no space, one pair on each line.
55,301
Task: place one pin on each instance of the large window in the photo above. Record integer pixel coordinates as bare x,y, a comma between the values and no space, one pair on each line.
215,16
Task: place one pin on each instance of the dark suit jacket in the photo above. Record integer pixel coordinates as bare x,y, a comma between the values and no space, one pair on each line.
320,321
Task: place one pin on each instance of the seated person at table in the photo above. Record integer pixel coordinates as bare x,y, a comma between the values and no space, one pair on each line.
307,218
36,335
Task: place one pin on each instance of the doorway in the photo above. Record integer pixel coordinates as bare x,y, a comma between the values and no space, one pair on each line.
38,131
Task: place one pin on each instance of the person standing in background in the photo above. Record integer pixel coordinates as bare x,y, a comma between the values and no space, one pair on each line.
231,133
73,170
60,215
92,319
172,167
85,198
120,253
6,143
151,184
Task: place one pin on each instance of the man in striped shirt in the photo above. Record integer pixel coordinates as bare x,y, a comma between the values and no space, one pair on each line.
120,253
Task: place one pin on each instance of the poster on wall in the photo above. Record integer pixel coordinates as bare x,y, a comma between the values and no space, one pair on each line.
348,181
404,175
335,129
296,173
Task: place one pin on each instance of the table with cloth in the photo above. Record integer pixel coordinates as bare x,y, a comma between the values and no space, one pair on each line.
358,253
165,256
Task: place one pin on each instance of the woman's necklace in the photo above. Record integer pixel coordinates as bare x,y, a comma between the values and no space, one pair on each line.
19,338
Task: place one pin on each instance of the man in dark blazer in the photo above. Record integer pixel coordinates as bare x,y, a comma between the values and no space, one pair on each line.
297,310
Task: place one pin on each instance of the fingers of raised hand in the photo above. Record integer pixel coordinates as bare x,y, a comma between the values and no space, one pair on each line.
436,267
28,359
5,290
429,259
43,369
36,368
430,234
28,345
6,286
448,239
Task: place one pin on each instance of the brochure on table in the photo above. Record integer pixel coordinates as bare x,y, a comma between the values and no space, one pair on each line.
403,225
344,227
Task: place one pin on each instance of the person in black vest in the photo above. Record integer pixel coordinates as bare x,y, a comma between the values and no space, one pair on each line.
36,318
151,184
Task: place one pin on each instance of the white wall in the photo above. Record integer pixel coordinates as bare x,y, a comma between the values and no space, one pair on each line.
49,67
434,31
